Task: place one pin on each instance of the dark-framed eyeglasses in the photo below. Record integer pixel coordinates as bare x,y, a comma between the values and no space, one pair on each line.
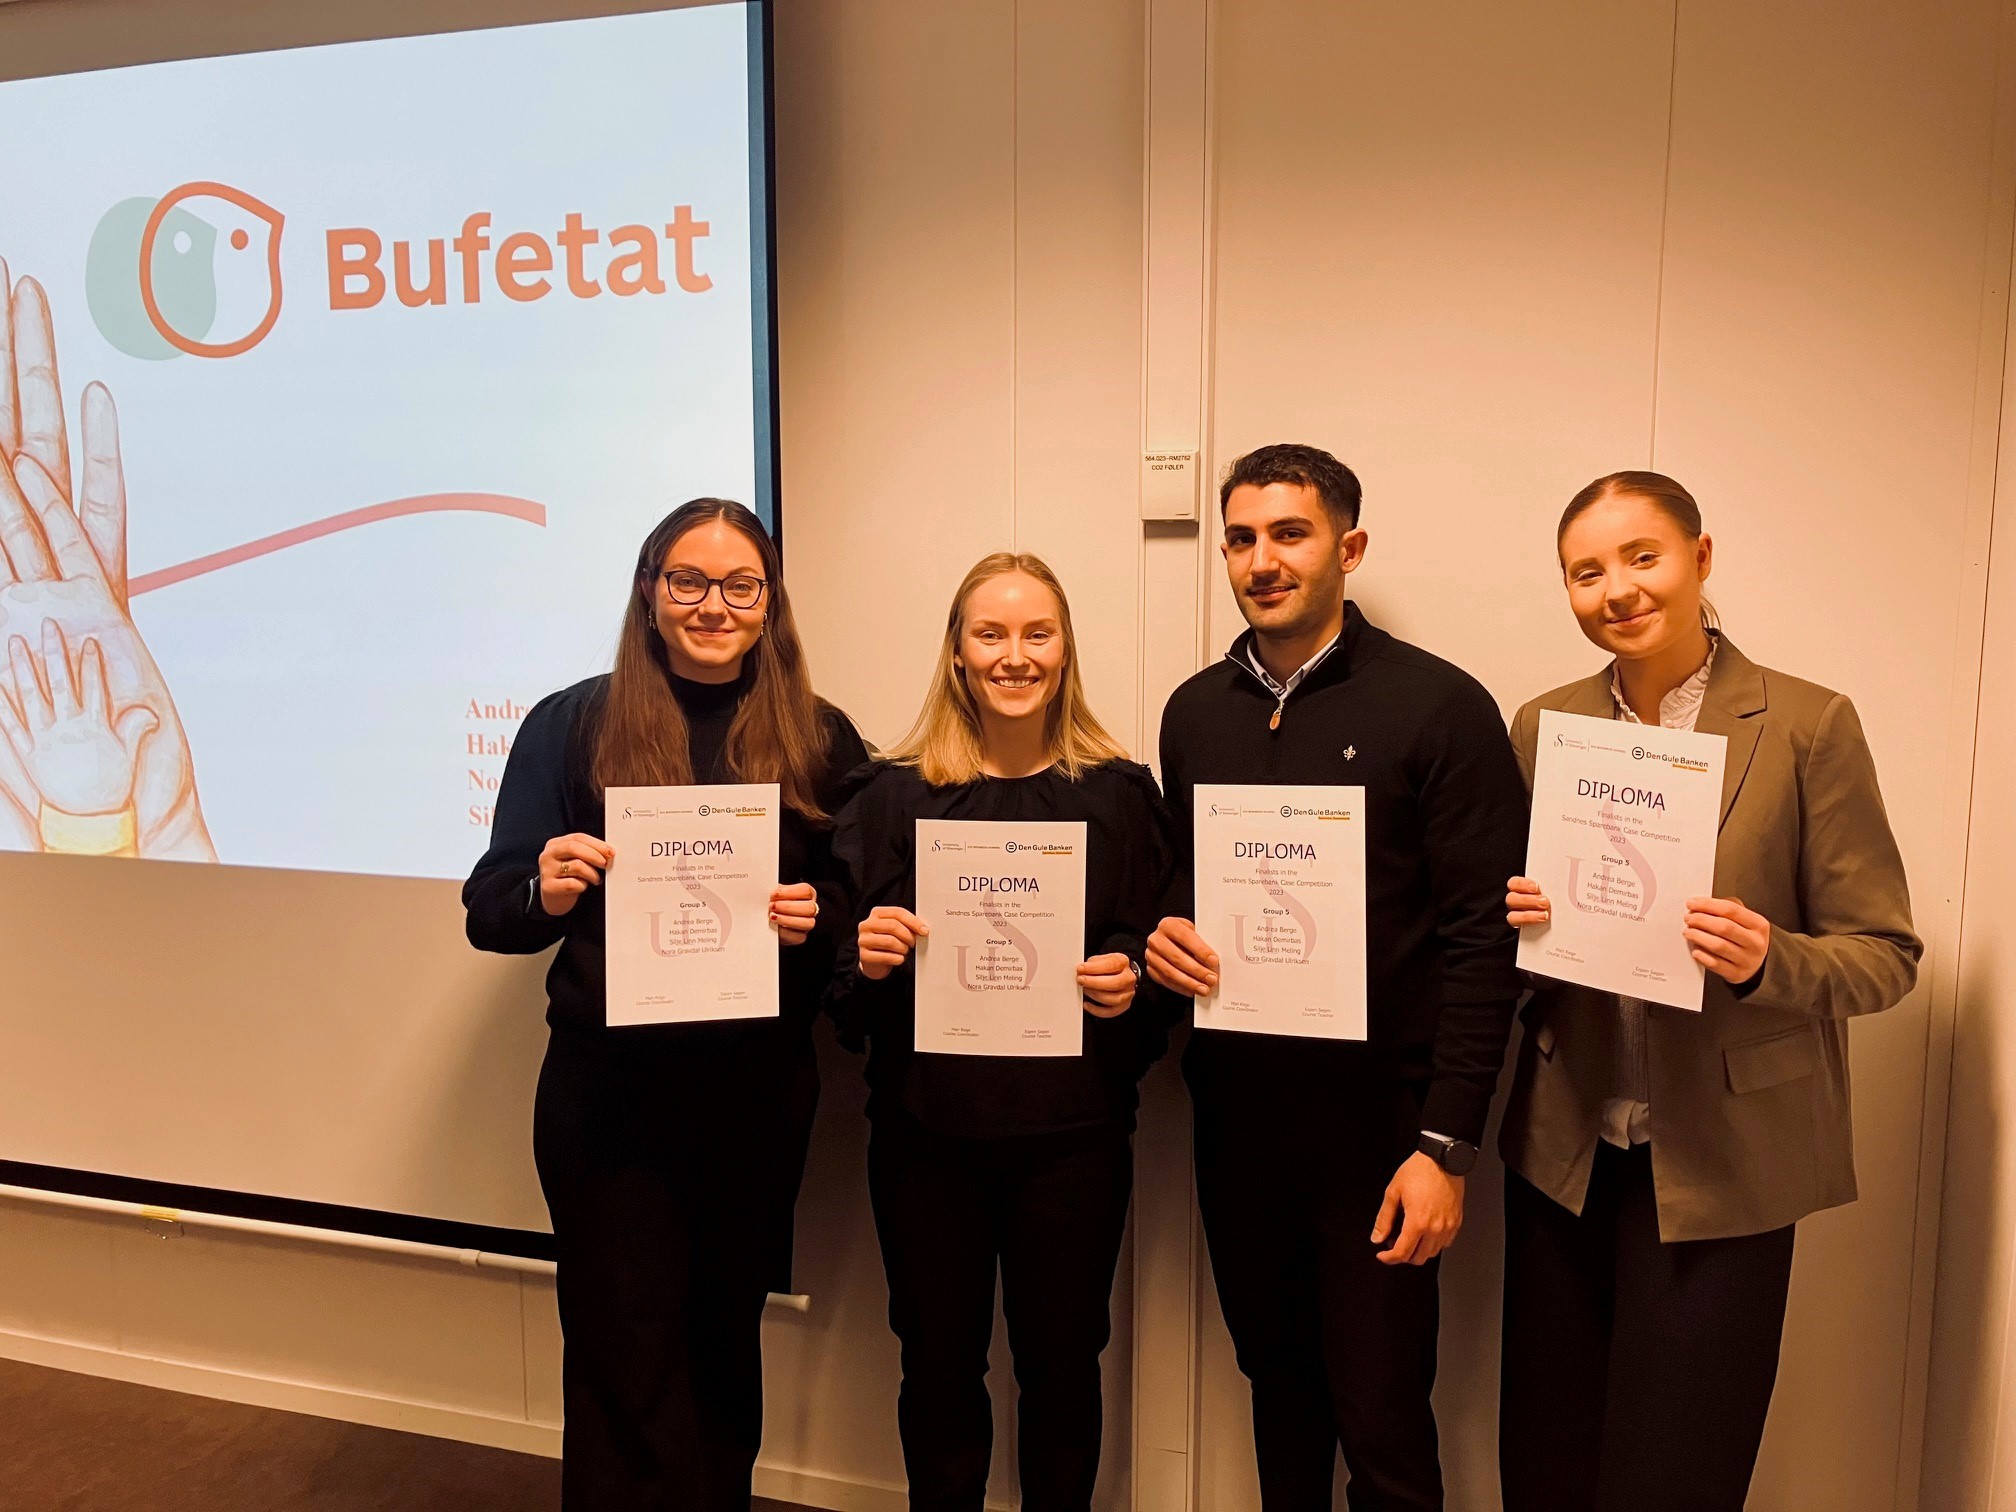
739,590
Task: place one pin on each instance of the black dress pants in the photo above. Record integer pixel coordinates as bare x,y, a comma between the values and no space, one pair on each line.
1049,1211
670,1189
1340,1348
1636,1374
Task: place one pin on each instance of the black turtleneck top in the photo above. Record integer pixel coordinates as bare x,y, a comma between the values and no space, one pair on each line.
547,791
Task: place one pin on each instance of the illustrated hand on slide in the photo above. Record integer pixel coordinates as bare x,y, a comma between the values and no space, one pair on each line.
63,562
57,722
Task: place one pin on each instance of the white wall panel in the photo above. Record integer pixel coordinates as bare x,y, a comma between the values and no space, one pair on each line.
1828,223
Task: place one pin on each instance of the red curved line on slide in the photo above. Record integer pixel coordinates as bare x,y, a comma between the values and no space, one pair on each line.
370,514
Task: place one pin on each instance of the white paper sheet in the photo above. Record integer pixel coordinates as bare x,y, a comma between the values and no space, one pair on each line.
688,910
1624,823
1280,875
998,974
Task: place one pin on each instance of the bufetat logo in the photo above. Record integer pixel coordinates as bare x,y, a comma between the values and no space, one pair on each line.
195,272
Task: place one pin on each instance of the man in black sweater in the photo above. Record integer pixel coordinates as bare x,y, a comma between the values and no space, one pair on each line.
1330,1172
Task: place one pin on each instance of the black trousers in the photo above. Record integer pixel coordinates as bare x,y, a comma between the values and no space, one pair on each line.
1049,1211
670,1196
1340,1349
1636,1374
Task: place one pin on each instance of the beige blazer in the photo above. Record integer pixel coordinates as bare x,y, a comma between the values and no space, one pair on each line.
1749,1097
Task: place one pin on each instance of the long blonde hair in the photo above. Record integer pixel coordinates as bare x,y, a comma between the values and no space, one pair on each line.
944,743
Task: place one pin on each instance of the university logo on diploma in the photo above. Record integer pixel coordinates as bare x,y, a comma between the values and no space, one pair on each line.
1624,823
998,974
688,908
1281,898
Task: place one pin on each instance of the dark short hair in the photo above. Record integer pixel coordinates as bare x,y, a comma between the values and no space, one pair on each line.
1306,466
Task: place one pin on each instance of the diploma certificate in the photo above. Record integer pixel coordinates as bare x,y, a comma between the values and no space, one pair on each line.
688,906
1281,898
998,974
1624,822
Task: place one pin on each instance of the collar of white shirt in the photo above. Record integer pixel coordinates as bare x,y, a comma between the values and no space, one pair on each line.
1280,689
1681,707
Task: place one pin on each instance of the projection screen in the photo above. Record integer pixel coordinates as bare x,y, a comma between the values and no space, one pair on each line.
338,384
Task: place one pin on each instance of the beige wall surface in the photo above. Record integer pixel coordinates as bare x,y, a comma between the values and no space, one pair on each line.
1483,252
1970,1439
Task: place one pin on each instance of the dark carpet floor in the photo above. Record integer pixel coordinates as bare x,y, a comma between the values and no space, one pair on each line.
76,1443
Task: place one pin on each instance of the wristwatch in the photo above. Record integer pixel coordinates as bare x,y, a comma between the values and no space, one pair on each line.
1455,1156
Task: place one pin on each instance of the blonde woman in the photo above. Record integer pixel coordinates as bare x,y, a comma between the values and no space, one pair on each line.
978,1162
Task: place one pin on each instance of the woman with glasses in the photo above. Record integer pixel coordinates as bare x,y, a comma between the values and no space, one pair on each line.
1658,1159
670,1155
979,1162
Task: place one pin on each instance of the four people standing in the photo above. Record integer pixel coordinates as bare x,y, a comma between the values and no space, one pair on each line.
1656,1158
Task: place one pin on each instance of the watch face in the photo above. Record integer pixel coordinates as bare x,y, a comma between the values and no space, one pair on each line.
1453,1155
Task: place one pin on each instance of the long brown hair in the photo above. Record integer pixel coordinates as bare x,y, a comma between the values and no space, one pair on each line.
944,743
779,731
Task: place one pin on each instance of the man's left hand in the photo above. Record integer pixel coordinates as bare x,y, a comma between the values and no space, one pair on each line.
1428,1202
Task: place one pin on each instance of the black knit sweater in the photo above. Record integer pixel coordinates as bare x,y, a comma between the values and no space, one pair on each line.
1445,826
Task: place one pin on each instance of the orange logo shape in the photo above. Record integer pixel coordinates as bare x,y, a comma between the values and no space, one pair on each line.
270,222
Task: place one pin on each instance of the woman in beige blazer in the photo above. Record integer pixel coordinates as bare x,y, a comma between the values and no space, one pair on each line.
1658,1158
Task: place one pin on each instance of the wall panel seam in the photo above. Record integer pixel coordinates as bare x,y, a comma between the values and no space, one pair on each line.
1015,274
2009,1272
1144,737
1207,345
1946,992
1665,211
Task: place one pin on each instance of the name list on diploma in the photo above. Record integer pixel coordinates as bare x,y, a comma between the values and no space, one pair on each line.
1281,899
998,974
688,906
1624,822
